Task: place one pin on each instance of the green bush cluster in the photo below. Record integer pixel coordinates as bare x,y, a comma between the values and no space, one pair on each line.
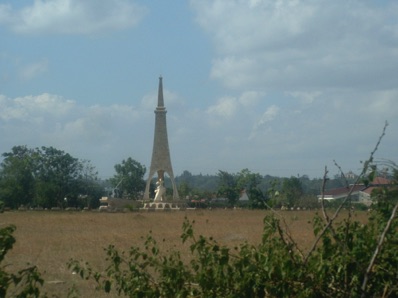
276,267
24,283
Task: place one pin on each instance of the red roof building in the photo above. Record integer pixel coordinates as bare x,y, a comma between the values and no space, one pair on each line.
359,192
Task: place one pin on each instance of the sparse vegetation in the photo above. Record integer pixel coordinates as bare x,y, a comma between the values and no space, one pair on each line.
50,239
276,267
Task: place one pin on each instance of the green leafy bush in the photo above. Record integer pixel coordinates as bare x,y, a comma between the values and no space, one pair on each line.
24,283
337,267
274,268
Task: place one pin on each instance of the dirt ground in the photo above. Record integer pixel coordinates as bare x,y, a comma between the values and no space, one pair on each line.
50,239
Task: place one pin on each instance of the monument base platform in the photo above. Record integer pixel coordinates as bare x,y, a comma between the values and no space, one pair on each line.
162,206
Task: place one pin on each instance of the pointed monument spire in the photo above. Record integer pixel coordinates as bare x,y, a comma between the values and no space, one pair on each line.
160,93
161,162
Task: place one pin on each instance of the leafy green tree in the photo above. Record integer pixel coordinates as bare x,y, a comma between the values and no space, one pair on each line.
228,187
17,177
45,177
198,186
186,177
57,177
250,182
89,186
386,197
184,189
129,178
232,185
210,183
292,190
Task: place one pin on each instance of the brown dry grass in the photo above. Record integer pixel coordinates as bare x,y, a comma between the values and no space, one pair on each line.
50,239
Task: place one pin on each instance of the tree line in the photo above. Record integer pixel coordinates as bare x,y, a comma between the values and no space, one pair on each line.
47,177
262,190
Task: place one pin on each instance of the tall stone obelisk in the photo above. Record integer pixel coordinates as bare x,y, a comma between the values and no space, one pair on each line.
161,162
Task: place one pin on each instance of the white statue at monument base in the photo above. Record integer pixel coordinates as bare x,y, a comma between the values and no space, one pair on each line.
160,190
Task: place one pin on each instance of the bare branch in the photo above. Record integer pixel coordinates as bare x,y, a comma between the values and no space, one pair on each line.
348,197
287,231
325,215
378,248
342,173
350,202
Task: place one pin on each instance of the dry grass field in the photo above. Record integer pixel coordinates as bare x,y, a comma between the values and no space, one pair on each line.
49,239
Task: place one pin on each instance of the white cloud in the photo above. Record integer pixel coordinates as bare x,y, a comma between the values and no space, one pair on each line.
72,16
250,98
233,108
328,69
268,116
234,72
30,108
381,103
5,13
305,97
98,133
225,108
33,70
302,45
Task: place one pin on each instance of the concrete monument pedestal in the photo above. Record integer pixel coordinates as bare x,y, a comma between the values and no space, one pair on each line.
161,206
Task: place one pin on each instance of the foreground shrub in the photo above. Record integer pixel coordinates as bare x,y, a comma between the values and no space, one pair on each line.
24,283
276,267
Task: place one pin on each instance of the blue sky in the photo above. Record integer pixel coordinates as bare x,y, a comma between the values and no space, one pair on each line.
278,87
